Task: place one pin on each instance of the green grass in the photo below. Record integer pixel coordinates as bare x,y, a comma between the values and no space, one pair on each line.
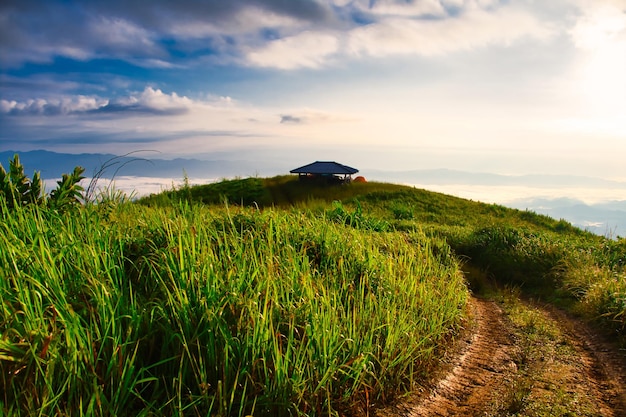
266,296
195,310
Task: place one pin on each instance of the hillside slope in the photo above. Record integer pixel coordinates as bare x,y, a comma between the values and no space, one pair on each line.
517,247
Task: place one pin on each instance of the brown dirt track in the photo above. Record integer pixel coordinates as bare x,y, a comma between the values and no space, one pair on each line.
493,372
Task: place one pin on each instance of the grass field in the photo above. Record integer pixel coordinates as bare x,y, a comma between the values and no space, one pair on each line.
261,296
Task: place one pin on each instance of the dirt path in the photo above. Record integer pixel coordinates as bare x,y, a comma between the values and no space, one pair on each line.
604,368
551,364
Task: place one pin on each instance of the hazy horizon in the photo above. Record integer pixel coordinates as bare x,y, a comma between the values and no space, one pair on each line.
587,202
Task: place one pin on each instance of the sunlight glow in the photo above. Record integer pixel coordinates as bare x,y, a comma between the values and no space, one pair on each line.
602,35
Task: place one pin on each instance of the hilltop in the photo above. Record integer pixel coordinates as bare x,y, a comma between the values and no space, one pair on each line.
399,205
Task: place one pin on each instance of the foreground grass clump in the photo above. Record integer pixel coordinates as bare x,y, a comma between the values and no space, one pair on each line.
585,273
596,277
191,310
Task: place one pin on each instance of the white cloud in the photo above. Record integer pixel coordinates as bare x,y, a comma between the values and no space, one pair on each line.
57,106
599,33
122,35
482,4
342,3
155,99
282,35
245,22
172,124
418,8
150,100
474,29
600,25
400,29
305,50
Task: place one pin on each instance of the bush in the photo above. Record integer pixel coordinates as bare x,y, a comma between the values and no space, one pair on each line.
513,255
17,190
355,219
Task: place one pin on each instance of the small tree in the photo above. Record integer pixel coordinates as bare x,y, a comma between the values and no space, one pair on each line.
68,192
18,190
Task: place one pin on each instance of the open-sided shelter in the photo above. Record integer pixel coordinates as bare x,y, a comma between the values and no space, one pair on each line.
325,169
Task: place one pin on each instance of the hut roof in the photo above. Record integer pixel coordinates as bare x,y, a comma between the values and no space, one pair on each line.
325,167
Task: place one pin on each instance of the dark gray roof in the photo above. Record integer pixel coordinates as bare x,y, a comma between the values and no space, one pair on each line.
325,167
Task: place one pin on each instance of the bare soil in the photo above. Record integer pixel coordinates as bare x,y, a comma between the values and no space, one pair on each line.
557,367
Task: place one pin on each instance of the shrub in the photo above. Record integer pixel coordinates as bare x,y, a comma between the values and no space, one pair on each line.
17,190
355,219
68,192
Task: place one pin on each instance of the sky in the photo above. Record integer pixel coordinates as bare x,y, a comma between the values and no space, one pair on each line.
504,86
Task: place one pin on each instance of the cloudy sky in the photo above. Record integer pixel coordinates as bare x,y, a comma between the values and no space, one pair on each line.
503,86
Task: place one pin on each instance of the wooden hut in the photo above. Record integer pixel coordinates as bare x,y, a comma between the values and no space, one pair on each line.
329,171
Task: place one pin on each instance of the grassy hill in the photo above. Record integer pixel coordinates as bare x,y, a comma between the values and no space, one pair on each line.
391,202
266,296
516,247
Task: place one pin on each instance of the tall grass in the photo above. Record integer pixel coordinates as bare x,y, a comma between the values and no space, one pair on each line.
198,311
324,309
588,270
597,278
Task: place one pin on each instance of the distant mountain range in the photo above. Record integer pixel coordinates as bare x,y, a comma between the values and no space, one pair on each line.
53,165
606,218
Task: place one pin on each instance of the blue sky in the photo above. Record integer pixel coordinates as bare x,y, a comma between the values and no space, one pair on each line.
510,87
